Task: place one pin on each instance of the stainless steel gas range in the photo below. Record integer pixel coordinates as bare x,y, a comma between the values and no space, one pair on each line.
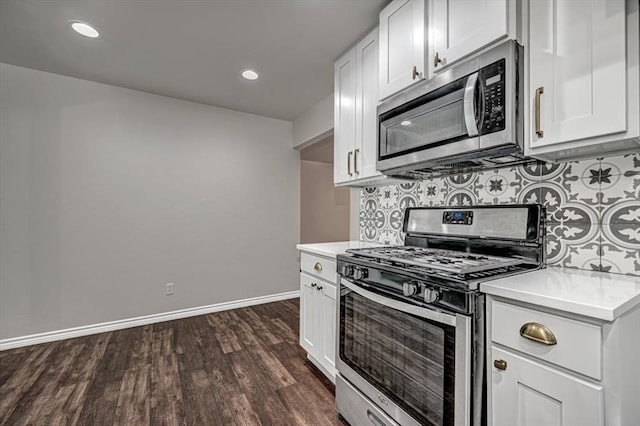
411,319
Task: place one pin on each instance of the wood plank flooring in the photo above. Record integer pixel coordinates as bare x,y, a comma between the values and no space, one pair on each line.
241,367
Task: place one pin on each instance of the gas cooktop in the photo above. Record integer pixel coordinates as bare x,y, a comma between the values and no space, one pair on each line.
436,259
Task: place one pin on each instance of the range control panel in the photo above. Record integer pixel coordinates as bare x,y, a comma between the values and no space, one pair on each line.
457,217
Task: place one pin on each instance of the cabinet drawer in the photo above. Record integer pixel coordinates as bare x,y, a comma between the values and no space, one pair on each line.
578,346
318,266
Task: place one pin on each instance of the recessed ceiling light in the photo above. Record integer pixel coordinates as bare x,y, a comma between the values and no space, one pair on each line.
85,29
250,74
405,123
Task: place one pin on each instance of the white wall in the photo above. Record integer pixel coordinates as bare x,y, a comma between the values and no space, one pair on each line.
314,124
106,194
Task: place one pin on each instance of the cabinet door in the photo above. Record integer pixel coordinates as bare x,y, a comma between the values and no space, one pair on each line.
577,70
327,326
344,135
309,314
367,62
402,42
460,27
527,393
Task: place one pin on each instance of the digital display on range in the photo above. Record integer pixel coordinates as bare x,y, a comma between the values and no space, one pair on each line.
457,217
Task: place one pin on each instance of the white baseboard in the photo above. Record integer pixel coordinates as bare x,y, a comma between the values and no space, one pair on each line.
52,336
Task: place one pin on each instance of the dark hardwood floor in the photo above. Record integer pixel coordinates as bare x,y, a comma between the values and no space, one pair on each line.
240,367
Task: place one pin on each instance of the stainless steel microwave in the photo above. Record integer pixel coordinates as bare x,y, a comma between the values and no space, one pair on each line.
467,117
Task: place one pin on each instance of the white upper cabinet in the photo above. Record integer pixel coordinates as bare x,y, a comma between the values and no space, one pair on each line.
366,107
402,45
578,69
583,77
344,133
355,136
458,28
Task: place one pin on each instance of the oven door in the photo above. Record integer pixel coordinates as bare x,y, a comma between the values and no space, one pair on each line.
412,363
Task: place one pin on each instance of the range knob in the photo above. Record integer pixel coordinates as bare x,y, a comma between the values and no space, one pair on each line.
347,270
431,295
409,289
360,273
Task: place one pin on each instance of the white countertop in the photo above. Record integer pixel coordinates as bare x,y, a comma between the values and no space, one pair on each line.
593,294
333,249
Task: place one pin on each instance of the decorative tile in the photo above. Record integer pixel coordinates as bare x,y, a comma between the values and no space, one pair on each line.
586,169
500,186
628,165
564,203
573,245
462,180
620,248
593,207
531,171
432,192
619,198
372,220
531,194
388,197
461,198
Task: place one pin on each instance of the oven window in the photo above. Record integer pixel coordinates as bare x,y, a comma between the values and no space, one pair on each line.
407,358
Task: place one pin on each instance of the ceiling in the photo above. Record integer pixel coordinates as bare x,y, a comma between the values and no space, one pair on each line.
191,49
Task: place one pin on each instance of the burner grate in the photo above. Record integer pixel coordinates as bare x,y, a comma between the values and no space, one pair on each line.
461,264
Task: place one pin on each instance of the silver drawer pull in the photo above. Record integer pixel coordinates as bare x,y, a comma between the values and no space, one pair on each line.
317,267
374,419
538,333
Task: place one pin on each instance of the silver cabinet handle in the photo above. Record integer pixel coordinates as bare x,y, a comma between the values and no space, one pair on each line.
355,161
469,105
317,266
349,163
414,73
538,333
539,92
436,60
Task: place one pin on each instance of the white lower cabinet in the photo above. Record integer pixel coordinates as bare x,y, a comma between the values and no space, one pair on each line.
327,324
318,312
550,367
528,393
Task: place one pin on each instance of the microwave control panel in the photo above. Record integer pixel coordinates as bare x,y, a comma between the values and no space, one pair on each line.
493,79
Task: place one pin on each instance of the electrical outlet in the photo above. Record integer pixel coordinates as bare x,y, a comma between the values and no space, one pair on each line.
169,289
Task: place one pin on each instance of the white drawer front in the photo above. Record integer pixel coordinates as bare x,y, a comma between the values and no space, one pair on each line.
319,266
578,346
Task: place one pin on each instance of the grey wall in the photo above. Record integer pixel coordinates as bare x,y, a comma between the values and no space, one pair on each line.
106,194
593,207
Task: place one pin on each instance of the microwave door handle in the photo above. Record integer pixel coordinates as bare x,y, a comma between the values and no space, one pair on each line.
469,105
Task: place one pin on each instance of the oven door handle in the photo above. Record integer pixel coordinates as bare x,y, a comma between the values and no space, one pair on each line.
429,314
469,105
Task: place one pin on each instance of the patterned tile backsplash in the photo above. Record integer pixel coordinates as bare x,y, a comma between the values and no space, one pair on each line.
593,207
